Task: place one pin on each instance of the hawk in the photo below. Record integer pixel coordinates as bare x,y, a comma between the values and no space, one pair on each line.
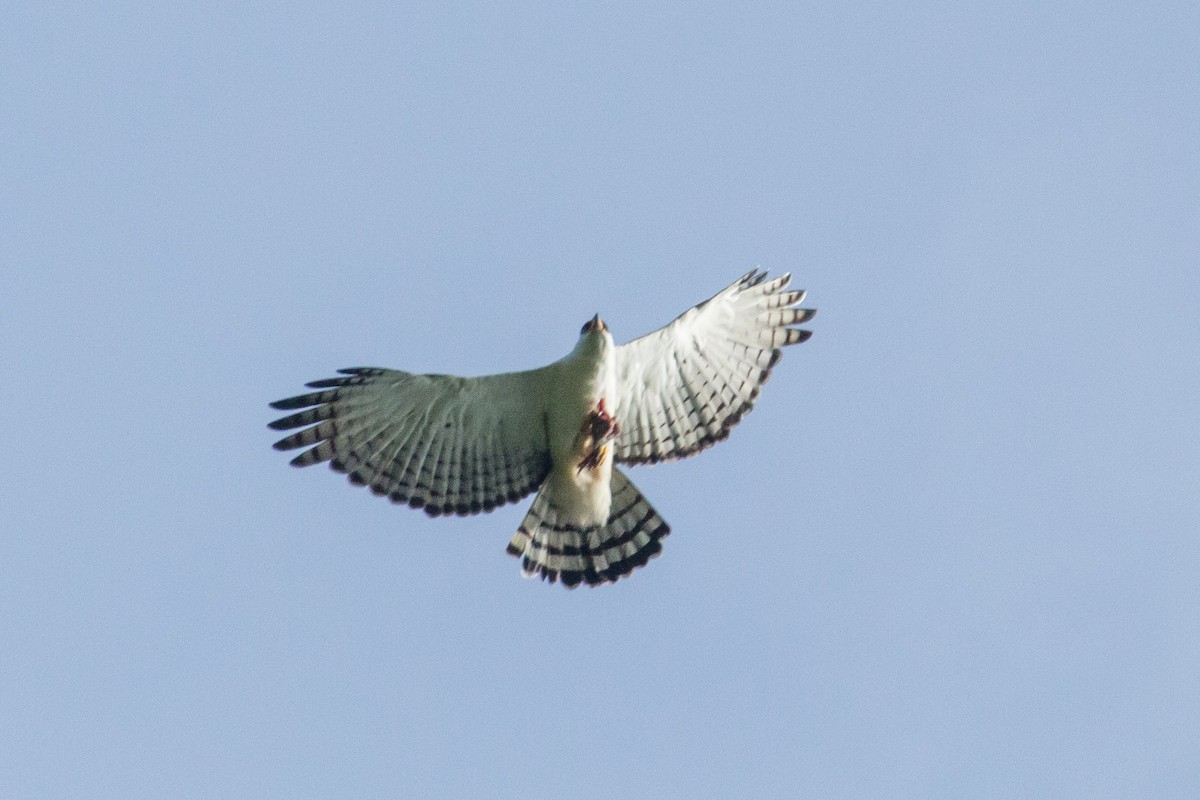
452,445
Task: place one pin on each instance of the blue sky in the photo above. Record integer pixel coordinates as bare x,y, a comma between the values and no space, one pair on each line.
952,553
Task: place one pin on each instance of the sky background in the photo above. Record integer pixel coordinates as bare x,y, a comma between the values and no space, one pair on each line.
952,553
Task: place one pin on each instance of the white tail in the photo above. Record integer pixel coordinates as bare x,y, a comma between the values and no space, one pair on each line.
599,554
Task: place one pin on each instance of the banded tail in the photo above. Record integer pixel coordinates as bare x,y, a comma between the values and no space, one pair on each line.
600,554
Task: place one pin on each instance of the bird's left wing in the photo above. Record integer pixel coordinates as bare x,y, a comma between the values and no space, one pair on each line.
446,444
684,386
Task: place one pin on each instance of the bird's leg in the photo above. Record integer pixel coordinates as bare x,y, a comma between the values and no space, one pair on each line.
599,427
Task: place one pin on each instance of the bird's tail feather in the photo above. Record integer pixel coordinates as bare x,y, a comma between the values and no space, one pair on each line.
549,547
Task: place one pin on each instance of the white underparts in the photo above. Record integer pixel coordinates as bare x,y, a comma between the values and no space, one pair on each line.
581,485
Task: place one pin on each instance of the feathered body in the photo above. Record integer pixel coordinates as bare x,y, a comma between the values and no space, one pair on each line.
453,445
576,386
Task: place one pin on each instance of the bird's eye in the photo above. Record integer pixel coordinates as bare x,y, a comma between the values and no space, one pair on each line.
587,326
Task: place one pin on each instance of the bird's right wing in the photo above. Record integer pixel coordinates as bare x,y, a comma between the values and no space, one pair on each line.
684,386
446,444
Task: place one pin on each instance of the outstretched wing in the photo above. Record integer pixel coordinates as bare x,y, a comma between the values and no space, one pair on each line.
447,444
684,386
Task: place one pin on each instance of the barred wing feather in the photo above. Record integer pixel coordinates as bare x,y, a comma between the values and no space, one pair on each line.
446,444
684,386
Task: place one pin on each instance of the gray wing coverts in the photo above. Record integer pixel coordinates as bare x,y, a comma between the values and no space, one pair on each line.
446,444
687,384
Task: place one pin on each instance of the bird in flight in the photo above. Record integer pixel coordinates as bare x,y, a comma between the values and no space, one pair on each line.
452,445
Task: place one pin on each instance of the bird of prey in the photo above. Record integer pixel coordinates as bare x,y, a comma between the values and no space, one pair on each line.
452,445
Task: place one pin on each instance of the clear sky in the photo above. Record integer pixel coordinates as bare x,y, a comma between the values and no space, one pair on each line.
952,553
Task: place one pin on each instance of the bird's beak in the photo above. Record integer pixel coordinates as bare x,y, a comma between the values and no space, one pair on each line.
598,324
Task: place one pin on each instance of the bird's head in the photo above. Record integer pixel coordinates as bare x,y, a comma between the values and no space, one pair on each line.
594,335
593,324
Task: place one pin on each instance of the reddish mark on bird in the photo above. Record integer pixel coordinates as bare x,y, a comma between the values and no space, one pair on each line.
599,427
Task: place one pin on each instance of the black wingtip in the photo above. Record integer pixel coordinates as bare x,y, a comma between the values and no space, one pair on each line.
754,278
751,278
299,401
